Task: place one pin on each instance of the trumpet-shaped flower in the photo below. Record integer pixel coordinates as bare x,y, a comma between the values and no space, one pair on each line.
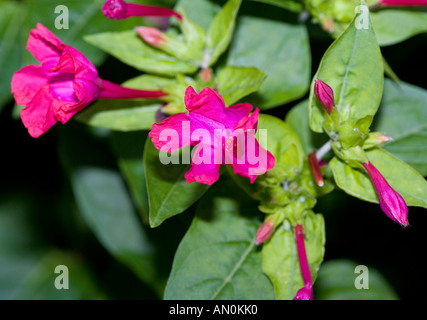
62,84
220,135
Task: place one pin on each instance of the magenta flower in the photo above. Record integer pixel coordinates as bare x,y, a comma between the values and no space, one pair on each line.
220,135
325,95
264,232
403,3
306,292
119,9
390,201
64,84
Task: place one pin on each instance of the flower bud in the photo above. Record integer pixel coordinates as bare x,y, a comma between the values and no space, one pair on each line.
152,36
264,231
315,169
325,94
391,202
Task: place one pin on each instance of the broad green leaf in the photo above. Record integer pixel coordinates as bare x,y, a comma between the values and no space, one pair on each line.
221,30
401,177
129,48
277,137
402,116
279,49
336,281
235,83
127,115
168,191
217,259
398,24
297,119
293,5
352,66
129,148
280,255
280,137
121,115
106,205
201,12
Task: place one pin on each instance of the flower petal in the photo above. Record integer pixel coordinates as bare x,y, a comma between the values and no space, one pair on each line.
38,116
43,44
27,82
200,171
210,104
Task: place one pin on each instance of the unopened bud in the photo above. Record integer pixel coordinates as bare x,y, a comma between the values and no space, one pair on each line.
206,74
264,231
325,94
391,202
152,36
315,169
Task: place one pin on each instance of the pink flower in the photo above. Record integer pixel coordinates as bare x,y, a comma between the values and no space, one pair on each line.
403,3
390,201
306,292
325,95
119,9
264,232
220,135
64,84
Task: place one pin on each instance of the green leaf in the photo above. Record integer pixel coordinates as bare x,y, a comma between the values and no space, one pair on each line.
201,12
129,148
217,259
336,281
280,255
130,114
121,115
277,137
235,83
401,177
293,5
105,203
297,119
394,25
279,49
168,191
352,66
402,116
129,48
280,137
221,30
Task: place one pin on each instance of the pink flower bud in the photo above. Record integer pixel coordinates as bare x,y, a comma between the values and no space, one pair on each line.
152,36
390,201
325,95
119,9
315,169
403,3
264,232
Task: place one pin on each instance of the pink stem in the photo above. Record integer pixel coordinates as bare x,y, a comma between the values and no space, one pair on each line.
136,10
112,90
302,255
